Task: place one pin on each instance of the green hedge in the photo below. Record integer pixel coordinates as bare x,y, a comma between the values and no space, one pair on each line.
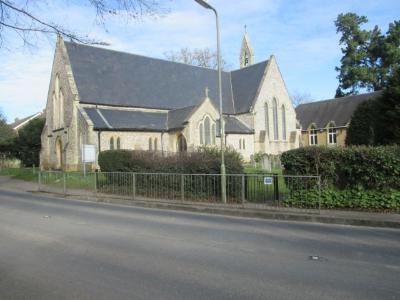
374,168
203,161
356,198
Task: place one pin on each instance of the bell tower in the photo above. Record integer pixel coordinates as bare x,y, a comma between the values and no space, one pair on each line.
246,51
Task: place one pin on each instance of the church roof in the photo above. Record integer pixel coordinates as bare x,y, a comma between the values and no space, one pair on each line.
338,110
178,117
245,83
233,125
113,119
115,78
117,119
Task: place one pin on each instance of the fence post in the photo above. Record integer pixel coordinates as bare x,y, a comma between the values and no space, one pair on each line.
39,181
276,188
319,194
243,188
65,184
133,186
182,187
95,184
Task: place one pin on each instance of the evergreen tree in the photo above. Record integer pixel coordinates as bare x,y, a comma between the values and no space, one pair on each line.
6,132
387,114
369,57
362,126
27,144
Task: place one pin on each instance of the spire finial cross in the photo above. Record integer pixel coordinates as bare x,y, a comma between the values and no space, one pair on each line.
206,91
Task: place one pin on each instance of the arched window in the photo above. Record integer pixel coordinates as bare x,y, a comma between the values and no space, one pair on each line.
61,109
55,113
57,84
313,135
283,123
332,134
213,133
155,144
150,145
266,119
240,143
182,145
201,134
275,117
118,143
58,104
207,131
111,143
243,144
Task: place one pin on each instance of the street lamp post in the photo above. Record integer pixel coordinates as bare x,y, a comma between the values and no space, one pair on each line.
221,119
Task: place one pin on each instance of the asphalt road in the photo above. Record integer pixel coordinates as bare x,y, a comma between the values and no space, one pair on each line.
64,249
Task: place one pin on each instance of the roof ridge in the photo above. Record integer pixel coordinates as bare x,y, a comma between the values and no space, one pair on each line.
144,56
340,98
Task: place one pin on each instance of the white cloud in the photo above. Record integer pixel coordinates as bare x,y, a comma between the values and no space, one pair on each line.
24,79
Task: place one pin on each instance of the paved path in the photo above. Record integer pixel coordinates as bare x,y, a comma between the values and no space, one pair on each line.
63,249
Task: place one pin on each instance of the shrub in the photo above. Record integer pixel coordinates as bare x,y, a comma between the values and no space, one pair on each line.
353,167
358,198
204,161
28,143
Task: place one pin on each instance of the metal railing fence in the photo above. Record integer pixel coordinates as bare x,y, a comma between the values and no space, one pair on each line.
243,189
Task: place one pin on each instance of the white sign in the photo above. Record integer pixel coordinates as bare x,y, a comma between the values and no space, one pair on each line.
268,180
88,153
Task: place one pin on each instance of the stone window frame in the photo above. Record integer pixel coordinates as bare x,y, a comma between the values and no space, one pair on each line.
284,127
58,104
275,118
201,133
313,135
266,118
331,133
204,139
155,144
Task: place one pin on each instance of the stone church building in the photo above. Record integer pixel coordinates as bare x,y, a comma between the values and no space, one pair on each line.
117,100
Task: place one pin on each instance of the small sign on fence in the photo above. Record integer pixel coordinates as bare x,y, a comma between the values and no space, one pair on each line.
268,180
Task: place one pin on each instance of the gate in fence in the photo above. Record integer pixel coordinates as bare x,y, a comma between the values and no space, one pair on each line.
267,189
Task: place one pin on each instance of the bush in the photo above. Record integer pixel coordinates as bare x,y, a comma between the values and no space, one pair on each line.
28,143
353,167
204,161
358,198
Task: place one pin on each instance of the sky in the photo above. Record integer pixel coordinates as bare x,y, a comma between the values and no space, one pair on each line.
300,33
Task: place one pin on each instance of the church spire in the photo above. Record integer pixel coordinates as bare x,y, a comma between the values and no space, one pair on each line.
246,51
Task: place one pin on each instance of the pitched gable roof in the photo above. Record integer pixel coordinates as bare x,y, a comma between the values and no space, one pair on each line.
112,119
178,117
115,78
121,120
234,125
18,123
338,110
245,83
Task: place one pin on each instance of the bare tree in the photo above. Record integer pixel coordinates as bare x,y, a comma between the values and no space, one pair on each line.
300,98
18,17
197,57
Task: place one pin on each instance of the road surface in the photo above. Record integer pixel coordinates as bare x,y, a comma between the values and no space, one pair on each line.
65,249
